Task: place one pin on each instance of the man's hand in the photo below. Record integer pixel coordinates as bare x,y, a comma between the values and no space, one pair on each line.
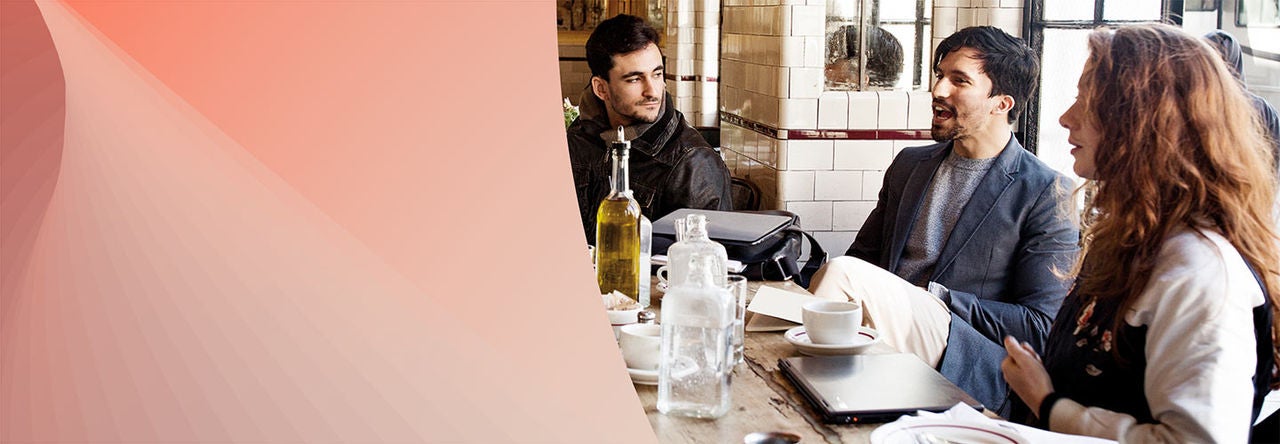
1025,373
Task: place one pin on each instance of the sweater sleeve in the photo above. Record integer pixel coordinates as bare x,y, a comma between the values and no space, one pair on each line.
1199,350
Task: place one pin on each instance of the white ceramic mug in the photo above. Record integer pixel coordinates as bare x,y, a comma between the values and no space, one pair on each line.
622,318
831,322
641,346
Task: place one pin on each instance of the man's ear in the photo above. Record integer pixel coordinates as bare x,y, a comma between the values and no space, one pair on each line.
600,87
1005,105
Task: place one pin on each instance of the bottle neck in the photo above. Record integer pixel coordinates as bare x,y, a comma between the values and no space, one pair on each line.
619,183
697,228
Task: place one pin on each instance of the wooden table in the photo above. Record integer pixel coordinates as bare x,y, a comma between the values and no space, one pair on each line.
763,399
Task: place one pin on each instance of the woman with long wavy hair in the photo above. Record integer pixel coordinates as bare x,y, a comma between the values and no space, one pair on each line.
1167,333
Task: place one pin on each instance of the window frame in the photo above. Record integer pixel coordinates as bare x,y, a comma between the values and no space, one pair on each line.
922,49
1034,25
1242,20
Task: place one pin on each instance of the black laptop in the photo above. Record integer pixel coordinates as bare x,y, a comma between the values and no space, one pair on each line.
871,388
727,227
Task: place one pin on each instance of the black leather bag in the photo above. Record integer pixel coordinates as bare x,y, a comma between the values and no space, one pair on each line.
774,258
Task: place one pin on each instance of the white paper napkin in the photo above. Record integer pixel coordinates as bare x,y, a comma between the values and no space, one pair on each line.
780,309
963,413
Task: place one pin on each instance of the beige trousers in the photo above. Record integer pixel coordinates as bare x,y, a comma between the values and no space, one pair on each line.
908,317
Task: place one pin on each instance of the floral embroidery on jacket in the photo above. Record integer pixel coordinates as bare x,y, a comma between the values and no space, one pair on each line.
1087,333
1085,314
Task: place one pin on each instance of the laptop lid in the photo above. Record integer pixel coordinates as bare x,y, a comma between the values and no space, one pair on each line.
871,388
727,226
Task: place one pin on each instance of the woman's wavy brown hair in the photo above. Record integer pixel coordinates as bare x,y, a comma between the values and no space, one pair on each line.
1181,147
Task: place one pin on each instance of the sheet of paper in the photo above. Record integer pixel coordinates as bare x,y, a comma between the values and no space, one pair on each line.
781,309
759,322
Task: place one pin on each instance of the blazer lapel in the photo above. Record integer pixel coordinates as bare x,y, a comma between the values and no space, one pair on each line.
984,199
912,196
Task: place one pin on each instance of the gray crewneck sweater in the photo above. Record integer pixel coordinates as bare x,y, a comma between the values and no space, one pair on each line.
952,186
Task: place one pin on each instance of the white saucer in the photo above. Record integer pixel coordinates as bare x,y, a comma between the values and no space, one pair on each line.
643,377
650,377
910,432
797,337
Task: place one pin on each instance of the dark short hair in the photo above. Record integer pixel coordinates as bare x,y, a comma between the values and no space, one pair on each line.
1011,64
884,54
618,35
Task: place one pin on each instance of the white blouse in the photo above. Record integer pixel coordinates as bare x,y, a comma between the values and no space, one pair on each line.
1200,349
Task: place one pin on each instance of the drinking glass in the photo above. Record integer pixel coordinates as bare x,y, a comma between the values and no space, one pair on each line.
737,286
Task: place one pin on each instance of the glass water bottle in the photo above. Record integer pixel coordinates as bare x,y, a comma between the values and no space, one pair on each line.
697,333
694,244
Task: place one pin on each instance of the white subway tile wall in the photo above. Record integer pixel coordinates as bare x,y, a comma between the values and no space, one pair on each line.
833,110
898,145
837,185
893,110
814,216
849,216
919,110
871,184
810,155
864,110
796,185
863,155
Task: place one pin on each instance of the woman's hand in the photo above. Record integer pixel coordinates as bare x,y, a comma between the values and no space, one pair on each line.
1025,373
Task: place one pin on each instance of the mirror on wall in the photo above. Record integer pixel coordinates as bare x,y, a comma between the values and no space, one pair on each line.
584,15
874,45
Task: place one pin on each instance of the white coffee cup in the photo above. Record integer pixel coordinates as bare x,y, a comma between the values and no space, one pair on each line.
641,346
831,322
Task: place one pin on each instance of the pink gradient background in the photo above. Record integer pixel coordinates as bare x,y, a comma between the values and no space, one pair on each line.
233,221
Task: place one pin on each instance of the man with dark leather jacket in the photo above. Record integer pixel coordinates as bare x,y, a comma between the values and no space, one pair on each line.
671,166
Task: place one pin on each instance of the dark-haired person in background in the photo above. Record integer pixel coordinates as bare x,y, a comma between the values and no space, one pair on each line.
671,166
884,57
962,246
1229,49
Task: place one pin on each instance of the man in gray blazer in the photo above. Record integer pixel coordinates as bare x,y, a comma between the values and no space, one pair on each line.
969,235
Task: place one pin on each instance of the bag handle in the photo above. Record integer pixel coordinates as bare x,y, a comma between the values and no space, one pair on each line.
817,257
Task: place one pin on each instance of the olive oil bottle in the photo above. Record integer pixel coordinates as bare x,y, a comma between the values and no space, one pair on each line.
618,229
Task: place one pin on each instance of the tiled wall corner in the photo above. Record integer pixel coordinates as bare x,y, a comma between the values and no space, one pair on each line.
809,155
692,46
798,113
795,185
